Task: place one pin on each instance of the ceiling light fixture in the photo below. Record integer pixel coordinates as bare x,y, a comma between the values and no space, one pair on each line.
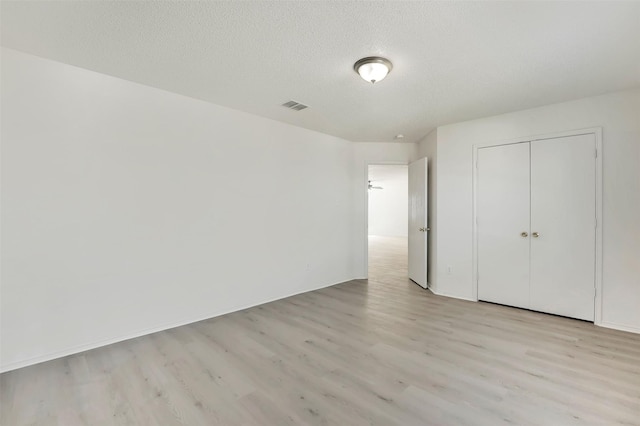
373,68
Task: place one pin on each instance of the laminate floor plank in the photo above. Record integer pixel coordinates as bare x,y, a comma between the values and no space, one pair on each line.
381,351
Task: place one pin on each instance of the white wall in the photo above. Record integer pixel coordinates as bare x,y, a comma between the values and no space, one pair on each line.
364,154
619,116
389,207
427,147
127,209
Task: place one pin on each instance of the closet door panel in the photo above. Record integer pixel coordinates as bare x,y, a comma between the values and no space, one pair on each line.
563,226
503,216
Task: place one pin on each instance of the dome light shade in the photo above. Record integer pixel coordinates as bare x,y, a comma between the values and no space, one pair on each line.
373,68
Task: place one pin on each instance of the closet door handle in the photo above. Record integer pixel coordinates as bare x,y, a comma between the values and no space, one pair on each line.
524,234
535,235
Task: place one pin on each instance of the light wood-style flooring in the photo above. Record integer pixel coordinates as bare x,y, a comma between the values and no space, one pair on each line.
383,352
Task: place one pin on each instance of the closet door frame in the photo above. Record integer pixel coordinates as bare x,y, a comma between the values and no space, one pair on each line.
597,132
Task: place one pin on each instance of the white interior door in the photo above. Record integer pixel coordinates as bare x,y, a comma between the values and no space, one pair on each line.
563,206
503,224
418,222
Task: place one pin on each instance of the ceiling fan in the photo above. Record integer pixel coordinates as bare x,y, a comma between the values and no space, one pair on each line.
374,187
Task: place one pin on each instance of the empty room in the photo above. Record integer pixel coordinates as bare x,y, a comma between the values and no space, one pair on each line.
320,213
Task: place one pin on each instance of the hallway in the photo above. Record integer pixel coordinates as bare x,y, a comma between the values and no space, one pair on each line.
388,260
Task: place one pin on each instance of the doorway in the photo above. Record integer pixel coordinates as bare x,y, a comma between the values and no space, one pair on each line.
388,222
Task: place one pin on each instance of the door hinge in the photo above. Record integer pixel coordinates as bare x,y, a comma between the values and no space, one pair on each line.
596,153
596,221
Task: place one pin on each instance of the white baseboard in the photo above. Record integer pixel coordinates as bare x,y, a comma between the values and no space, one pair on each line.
97,344
620,327
436,292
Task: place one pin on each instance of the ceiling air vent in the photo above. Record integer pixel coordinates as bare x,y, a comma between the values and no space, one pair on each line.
296,106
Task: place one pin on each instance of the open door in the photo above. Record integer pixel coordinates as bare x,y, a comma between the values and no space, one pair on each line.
418,222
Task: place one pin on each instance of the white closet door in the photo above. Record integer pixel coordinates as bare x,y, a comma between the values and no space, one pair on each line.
563,226
503,224
418,221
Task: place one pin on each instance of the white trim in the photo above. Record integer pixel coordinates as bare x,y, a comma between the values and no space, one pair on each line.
365,186
93,345
599,221
539,137
621,327
450,295
474,226
597,132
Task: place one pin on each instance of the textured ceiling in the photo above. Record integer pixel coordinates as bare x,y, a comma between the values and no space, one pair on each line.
452,61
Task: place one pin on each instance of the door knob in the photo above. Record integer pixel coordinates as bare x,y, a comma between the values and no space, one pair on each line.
535,235
421,229
524,234
427,229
